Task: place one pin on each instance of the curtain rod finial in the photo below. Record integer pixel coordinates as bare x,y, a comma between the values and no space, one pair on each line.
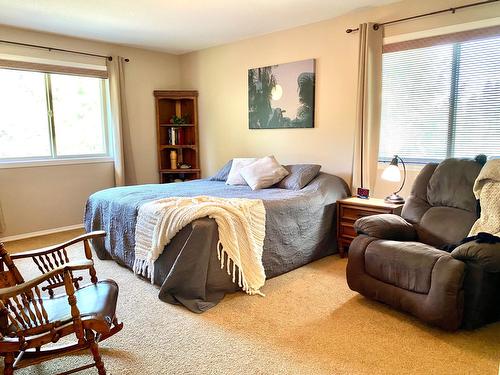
127,60
348,31
110,58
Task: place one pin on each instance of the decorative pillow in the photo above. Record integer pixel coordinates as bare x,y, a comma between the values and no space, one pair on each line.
234,177
263,173
222,174
299,176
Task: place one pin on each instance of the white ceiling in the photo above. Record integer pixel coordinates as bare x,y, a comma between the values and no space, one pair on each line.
175,26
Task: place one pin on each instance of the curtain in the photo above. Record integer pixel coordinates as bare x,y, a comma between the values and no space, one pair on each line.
121,141
367,130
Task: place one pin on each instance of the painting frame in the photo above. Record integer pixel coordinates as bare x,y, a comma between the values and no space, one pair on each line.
282,96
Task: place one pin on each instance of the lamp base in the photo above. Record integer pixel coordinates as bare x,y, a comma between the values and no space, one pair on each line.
394,198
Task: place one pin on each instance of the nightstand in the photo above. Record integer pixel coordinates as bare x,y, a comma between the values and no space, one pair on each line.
351,209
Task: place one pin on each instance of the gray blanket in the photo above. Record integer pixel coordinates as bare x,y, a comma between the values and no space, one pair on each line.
300,228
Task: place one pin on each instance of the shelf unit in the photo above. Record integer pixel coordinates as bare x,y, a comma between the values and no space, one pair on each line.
171,103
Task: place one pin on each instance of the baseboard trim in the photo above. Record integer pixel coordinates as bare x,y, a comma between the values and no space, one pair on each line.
40,233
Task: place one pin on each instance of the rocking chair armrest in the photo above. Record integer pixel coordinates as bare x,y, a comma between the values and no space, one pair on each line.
63,245
62,270
77,265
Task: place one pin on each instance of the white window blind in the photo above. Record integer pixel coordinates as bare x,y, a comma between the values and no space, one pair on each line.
477,117
441,100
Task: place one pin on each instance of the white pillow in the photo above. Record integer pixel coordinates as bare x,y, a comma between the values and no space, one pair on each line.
234,176
263,173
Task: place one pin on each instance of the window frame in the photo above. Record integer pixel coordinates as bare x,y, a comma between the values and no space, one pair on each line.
452,111
54,159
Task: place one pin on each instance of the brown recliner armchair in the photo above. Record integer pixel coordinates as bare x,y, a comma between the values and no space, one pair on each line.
398,261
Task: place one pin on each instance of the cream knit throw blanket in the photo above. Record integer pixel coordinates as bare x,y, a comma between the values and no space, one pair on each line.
487,189
241,226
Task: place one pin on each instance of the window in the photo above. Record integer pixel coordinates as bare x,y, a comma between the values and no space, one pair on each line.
51,116
441,101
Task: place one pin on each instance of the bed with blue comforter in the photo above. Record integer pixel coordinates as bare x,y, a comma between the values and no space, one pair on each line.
300,228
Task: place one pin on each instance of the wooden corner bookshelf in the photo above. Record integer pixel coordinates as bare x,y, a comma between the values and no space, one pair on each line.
177,135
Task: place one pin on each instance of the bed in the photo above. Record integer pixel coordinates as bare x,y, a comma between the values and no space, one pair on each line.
300,228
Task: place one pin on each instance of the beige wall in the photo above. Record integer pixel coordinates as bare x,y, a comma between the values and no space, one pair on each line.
220,75
41,198
47,197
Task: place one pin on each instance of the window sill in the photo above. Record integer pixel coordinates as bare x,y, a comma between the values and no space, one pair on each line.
52,162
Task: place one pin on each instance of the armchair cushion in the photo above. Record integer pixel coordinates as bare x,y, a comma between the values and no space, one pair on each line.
386,226
486,255
407,265
450,184
441,306
444,225
95,301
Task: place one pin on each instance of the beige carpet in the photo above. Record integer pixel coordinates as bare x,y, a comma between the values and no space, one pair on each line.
309,323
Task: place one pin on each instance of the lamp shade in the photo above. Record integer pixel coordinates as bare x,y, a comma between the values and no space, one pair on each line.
392,173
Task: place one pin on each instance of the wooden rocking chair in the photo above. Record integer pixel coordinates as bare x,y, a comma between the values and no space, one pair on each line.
33,316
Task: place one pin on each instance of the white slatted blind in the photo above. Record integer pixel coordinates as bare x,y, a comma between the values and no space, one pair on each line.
441,101
477,123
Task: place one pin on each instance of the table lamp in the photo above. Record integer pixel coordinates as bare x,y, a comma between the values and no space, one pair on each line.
392,173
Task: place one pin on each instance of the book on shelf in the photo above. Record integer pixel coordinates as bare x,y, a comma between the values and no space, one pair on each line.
175,136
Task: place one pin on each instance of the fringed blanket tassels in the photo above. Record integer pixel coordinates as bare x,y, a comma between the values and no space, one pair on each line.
241,227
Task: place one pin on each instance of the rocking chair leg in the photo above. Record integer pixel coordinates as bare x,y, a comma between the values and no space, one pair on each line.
94,348
8,364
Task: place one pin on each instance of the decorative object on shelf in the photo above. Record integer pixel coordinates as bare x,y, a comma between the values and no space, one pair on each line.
172,136
282,96
173,159
363,193
175,136
179,120
177,130
178,180
392,173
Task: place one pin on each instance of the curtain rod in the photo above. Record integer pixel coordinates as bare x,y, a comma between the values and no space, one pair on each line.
109,58
452,10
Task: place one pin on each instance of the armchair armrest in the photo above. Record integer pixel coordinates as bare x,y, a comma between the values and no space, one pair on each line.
387,227
484,254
